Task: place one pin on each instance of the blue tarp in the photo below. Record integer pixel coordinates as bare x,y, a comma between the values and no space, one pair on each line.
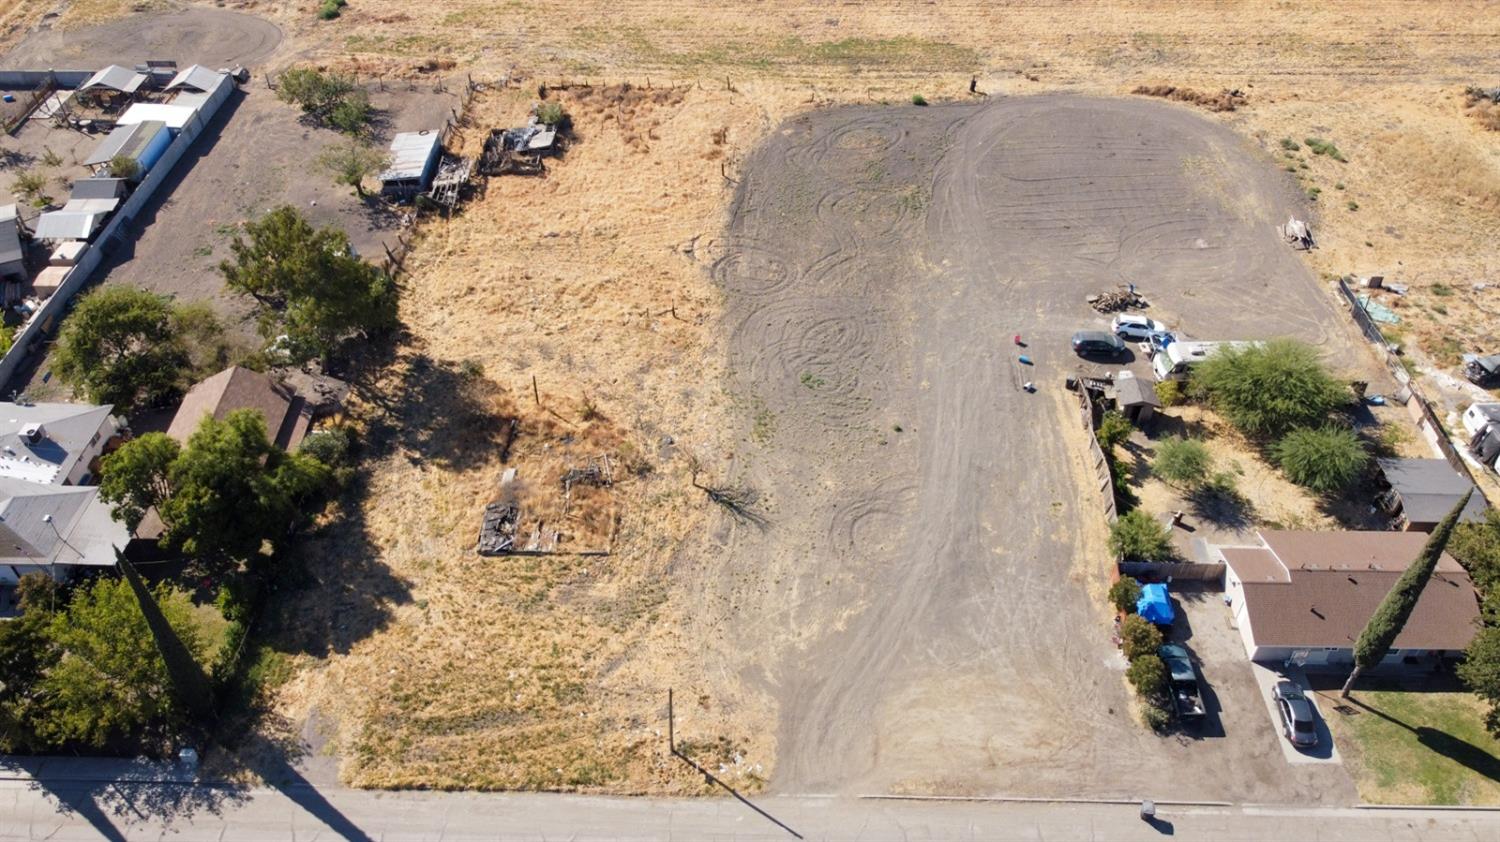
1155,606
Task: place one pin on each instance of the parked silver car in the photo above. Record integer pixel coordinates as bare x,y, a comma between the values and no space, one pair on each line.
1298,721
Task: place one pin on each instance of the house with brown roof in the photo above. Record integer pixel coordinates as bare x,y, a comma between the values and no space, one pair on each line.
1305,597
240,388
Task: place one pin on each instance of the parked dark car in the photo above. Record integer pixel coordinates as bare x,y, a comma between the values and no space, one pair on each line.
1091,343
1482,371
1187,699
1297,717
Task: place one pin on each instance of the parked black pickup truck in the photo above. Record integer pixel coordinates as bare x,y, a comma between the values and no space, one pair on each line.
1183,680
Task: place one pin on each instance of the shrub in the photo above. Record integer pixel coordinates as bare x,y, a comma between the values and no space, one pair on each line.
1477,547
1124,594
551,113
1148,675
124,166
1156,716
1183,462
32,186
1136,536
1268,389
330,9
1290,145
1320,146
1113,430
1169,392
1138,637
918,99
353,114
1324,460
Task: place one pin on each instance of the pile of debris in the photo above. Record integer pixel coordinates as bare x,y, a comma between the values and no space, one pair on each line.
1226,100
519,150
1125,298
1298,234
497,533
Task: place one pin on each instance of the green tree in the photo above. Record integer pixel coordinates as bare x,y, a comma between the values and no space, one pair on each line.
201,335
1124,595
1477,547
315,92
26,654
1138,637
1148,675
137,476
1323,459
1113,430
352,162
231,490
1136,536
119,347
1392,613
353,114
1269,388
111,681
1182,462
1480,672
311,292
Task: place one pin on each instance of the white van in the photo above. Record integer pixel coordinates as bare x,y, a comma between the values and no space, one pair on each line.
1176,360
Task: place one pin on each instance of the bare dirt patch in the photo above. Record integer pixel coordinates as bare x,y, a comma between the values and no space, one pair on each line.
928,622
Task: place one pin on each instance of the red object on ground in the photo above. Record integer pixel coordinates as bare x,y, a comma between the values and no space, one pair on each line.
1018,339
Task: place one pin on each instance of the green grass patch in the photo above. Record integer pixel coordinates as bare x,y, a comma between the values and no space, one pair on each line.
1418,748
1319,146
1290,145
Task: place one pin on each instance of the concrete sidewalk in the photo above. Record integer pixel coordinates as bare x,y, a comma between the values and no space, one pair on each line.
75,811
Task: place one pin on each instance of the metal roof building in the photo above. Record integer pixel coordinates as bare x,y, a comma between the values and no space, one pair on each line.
197,77
115,78
174,116
1427,489
414,157
67,224
144,142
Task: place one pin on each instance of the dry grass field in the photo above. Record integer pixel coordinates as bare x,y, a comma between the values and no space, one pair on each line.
551,672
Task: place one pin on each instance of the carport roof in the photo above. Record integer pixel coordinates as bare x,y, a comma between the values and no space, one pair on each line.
66,225
115,78
124,140
196,77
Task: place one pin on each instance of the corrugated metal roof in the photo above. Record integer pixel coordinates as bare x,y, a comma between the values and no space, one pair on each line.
196,77
98,188
124,140
10,243
410,154
67,225
115,78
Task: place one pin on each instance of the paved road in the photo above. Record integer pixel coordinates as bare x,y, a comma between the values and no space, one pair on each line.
84,811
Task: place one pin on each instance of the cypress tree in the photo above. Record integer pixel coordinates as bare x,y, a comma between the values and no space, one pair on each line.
1391,616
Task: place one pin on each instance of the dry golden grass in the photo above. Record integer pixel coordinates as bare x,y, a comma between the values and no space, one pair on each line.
549,672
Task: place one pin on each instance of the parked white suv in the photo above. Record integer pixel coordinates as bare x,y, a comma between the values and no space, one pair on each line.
1133,327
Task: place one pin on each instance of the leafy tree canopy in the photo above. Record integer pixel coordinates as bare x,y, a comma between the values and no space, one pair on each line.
136,477
111,681
310,290
119,347
1182,462
1324,459
1269,388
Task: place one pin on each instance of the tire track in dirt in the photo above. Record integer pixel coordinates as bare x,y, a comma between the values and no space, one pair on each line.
957,646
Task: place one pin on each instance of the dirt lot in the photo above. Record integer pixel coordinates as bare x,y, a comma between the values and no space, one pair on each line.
925,591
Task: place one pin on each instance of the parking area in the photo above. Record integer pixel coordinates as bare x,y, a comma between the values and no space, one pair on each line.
1242,722
1325,751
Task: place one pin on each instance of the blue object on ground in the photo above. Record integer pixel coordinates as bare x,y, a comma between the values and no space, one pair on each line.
1155,606
9,98
1025,360
1376,400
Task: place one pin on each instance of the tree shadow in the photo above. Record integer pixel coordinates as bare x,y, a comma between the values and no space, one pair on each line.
435,411
1458,750
113,795
1225,508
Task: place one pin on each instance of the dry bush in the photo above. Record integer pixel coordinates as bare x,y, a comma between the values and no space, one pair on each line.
1486,113
1225,100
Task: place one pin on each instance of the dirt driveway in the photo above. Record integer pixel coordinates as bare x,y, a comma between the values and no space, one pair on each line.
923,609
